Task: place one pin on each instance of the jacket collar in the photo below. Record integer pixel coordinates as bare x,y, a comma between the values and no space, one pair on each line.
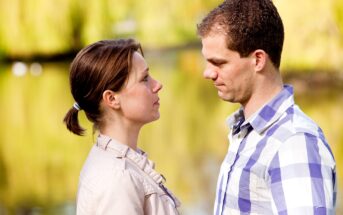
139,157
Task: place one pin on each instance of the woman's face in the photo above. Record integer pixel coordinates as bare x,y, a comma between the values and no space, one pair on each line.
139,98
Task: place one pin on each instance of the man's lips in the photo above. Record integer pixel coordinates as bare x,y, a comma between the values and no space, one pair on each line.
218,84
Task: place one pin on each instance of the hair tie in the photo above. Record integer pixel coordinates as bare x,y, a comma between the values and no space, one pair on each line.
76,106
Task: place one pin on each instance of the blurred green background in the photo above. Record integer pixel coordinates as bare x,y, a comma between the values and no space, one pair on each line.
40,160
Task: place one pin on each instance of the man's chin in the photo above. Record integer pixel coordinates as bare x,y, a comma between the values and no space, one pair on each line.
222,96
225,97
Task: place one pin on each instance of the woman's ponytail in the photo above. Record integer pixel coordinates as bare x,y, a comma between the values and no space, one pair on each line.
72,122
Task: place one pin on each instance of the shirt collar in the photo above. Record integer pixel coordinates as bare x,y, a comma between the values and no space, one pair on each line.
267,114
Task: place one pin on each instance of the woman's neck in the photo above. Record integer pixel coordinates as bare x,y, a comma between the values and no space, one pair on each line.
123,133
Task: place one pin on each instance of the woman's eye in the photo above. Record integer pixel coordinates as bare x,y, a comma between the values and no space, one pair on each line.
145,78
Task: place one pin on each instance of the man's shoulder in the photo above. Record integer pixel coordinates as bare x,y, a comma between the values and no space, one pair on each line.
294,123
302,123
297,136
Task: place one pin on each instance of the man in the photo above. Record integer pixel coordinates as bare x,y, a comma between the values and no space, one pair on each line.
278,161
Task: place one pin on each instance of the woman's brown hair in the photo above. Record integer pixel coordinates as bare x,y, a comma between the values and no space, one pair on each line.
101,66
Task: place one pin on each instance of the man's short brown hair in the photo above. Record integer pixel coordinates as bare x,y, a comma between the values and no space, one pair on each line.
249,25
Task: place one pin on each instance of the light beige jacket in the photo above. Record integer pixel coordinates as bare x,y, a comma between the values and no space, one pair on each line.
116,180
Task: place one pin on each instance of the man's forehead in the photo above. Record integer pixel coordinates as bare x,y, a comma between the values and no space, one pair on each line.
213,43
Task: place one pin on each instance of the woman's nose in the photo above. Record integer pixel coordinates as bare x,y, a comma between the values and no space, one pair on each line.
157,86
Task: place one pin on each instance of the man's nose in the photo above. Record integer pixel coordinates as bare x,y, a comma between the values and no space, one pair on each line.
210,73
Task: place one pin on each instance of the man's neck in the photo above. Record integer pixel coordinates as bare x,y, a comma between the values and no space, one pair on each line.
261,96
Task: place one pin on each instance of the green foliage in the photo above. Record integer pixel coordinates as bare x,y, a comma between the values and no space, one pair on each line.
39,26
30,27
312,36
338,12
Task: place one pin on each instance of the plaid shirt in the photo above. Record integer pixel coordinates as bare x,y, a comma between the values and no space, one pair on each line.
278,162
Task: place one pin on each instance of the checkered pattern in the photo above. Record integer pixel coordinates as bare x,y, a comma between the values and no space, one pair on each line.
278,162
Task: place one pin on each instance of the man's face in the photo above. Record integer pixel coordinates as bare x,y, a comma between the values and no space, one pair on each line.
232,75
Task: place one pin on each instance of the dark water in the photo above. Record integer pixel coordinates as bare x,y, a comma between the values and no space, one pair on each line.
40,160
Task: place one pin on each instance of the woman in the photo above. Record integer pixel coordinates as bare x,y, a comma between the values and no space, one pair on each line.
110,82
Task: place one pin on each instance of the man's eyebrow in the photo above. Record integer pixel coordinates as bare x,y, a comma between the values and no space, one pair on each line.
216,61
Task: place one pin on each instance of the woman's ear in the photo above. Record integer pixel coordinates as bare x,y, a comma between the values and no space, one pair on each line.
111,99
260,57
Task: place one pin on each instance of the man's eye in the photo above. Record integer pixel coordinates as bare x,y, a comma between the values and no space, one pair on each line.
217,64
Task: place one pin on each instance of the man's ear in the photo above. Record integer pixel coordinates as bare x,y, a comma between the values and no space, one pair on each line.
260,57
111,99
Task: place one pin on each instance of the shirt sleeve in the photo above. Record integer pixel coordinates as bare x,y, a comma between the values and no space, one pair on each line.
302,176
84,201
117,195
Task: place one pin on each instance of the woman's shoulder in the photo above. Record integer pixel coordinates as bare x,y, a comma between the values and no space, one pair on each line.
104,169
106,177
100,161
